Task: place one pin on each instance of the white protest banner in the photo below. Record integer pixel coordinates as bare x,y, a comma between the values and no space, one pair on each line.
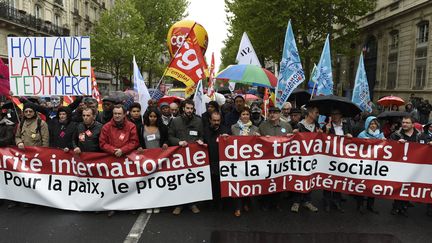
253,166
98,181
44,66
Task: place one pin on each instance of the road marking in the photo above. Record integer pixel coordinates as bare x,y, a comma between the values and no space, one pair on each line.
137,229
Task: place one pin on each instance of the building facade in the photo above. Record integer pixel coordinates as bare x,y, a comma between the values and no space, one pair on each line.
397,50
49,18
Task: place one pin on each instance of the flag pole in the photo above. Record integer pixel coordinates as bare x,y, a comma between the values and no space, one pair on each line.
172,59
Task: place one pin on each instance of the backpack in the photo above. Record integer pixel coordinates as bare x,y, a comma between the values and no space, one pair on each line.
38,126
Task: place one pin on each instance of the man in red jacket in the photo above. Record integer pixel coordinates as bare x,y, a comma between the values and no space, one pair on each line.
118,136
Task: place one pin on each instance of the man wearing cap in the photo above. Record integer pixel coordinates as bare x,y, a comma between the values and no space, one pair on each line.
256,115
166,113
273,126
295,117
107,110
32,131
286,109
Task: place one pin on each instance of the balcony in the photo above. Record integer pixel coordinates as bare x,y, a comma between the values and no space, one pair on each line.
59,2
29,22
393,46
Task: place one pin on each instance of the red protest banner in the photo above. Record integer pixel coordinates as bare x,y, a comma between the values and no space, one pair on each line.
251,166
98,181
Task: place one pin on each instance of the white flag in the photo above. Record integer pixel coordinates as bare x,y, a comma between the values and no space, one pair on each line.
245,55
199,101
140,87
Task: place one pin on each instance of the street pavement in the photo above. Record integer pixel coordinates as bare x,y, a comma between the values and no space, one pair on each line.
41,224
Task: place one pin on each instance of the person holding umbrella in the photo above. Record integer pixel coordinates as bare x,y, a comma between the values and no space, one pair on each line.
337,127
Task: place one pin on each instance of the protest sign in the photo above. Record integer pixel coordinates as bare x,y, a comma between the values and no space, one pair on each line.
44,66
252,166
98,181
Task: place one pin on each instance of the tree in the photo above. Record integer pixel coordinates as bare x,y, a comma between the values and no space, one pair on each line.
134,27
158,16
266,23
115,37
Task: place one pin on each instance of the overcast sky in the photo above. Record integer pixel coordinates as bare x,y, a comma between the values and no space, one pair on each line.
211,15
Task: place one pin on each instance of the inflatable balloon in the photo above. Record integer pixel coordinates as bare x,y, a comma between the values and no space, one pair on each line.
178,32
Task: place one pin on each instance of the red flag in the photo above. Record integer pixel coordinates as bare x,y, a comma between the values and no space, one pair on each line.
188,66
95,91
211,80
4,79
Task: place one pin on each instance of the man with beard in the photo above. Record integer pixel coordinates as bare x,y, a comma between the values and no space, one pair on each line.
86,136
185,129
211,134
406,133
166,113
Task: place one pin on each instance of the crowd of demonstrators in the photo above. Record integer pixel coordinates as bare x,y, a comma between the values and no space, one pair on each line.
80,127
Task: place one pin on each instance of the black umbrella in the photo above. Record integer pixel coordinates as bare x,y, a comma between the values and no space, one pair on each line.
328,103
299,97
391,114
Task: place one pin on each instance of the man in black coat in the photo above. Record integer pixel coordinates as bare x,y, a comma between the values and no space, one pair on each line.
86,136
211,135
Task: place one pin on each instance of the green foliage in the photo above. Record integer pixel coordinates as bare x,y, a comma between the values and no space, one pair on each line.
134,27
266,21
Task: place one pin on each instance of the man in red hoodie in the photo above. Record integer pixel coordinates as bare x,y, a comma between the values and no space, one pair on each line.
118,136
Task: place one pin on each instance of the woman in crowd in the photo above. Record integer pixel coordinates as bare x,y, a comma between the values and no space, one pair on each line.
62,129
243,127
154,135
372,131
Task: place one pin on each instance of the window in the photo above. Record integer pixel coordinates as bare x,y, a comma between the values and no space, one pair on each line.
38,12
420,68
11,3
392,70
394,40
95,13
57,20
423,32
76,29
86,9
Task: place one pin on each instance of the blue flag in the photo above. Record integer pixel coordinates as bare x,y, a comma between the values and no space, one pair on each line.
323,74
291,71
312,82
361,96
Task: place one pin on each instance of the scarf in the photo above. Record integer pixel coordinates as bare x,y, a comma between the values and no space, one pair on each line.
244,128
